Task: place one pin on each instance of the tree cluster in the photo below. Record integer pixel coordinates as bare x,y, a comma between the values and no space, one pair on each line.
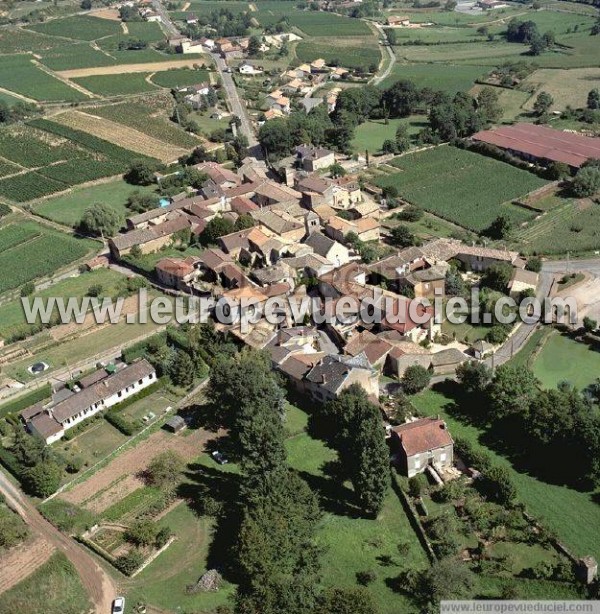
557,431
360,441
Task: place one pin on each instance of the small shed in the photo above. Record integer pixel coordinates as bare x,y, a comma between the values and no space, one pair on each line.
175,424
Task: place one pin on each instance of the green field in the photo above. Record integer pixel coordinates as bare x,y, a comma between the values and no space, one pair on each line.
566,511
565,227
352,54
42,252
462,186
562,359
19,74
54,588
180,77
68,208
371,134
79,27
12,318
320,24
117,85
450,79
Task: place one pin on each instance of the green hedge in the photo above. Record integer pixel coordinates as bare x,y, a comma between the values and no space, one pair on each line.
18,405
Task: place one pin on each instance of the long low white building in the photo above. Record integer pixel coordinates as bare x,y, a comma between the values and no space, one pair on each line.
99,391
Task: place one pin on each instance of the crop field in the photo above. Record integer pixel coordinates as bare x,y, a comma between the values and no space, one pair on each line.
8,168
19,74
450,79
566,227
12,317
19,40
349,52
148,31
58,157
435,35
68,208
79,27
41,253
179,77
327,24
461,186
148,116
126,137
74,55
116,85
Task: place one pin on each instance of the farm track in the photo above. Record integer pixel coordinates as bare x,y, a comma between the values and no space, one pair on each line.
71,84
98,584
128,68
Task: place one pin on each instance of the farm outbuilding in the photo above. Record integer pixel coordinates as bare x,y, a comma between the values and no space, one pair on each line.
175,424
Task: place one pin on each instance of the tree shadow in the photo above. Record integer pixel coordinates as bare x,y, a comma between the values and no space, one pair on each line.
205,485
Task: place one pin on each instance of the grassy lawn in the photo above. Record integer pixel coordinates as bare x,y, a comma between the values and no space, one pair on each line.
568,512
163,582
156,403
370,135
429,227
354,544
562,359
461,186
69,208
450,79
96,442
54,588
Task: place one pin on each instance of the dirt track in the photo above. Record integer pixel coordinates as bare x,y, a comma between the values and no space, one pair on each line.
128,68
97,583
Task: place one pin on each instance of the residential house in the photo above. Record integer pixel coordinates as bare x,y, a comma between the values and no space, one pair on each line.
312,158
398,21
423,443
248,69
521,281
331,250
50,422
178,273
334,374
366,228
423,283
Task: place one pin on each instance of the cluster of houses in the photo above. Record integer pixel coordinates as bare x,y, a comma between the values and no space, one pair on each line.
297,247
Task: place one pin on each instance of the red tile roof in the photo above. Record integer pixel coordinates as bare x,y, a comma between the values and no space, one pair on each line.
423,435
543,142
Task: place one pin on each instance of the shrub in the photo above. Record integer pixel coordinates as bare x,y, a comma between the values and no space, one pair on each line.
366,577
67,517
129,562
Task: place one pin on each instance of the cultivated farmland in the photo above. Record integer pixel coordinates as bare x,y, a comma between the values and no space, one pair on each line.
80,27
179,77
349,52
39,253
116,85
120,135
19,74
58,157
462,186
148,115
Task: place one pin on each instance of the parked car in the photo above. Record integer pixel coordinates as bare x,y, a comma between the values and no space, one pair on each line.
219,457
118,605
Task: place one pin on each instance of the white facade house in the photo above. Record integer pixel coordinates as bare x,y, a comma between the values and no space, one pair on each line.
105,391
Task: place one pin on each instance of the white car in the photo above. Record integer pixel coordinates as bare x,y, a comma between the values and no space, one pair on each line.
118,605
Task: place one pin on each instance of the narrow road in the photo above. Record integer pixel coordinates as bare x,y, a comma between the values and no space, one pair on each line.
236,104
226,79
390,52
97,583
